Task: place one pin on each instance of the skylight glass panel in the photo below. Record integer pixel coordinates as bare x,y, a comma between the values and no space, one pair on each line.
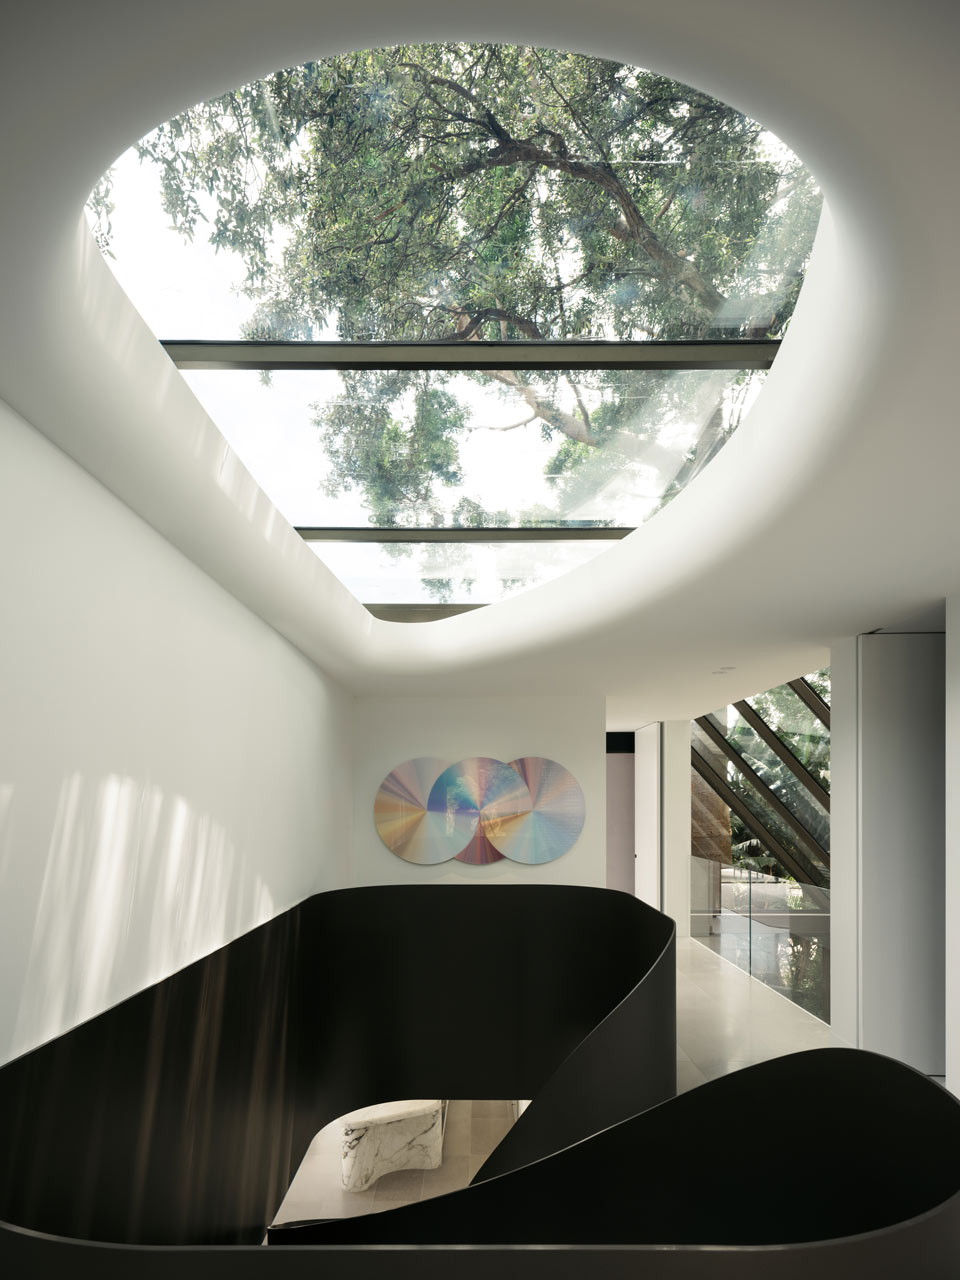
450,573
485,449
471,191
464,194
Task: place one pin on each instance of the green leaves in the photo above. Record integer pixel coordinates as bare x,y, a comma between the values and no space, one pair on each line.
485,192
396,460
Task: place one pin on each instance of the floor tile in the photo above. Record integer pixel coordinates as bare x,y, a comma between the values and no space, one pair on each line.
405,1186
453,1174
486,1134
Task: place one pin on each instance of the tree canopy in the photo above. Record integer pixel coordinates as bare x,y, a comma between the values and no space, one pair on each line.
469,192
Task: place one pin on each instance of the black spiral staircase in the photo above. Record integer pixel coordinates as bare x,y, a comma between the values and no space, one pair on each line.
158,1139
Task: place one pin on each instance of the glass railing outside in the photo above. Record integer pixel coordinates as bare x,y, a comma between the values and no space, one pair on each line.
773,928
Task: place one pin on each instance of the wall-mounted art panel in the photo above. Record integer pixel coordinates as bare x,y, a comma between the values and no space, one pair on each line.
479,810
400,812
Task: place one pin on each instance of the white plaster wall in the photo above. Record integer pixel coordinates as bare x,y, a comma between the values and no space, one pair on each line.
844,841
646,799
901,714
887,845
675,822
172,771
571,731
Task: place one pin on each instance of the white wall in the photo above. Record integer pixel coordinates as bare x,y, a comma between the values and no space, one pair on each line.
844,842
172,772
887,845
675,822
571,731
646,792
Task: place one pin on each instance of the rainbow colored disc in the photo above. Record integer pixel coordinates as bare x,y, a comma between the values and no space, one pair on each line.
479,793
554,820
400,812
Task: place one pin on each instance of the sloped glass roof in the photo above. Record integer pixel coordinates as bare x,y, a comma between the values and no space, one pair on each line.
465,194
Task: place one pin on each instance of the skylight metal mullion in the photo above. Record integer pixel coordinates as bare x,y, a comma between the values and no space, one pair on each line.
448,533
419,612
197,354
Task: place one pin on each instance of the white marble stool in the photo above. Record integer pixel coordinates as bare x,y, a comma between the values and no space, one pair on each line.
388,1137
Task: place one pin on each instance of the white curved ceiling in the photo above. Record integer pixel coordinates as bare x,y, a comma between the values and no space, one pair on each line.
832,510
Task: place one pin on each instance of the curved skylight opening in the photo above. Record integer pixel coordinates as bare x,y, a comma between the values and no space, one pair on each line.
465,195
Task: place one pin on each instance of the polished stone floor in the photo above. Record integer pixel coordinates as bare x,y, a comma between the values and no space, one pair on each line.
725,1020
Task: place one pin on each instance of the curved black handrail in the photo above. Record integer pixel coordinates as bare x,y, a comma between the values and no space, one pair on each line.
867,1168
178,1117
566,995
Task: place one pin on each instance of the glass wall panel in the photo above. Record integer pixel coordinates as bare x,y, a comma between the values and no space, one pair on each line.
773,928
744,903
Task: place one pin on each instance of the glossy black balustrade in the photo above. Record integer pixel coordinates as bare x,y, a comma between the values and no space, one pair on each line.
157,1139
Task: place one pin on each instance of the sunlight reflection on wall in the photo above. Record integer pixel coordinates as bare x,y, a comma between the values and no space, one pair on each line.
135,882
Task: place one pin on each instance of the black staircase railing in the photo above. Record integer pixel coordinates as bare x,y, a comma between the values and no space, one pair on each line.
158,1139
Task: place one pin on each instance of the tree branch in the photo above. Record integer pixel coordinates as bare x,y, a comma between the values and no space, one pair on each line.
632,225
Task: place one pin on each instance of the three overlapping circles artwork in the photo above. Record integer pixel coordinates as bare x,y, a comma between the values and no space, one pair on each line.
479,810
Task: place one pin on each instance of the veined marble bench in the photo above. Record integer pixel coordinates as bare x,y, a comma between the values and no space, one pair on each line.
388,1137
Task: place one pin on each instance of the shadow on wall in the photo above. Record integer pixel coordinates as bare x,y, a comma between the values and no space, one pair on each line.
135,883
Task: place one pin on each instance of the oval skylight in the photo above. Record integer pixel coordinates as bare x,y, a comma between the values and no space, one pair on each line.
465,194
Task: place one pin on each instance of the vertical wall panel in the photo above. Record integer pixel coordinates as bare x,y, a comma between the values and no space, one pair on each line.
646,800
901,847
844,843
952,869
620,821
675,822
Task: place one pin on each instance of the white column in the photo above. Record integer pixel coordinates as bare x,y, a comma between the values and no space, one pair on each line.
646,799
675,819
844,843
887,797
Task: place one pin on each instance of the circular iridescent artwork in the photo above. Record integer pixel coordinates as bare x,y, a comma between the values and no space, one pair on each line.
554,820
479,810
400,811
481,791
